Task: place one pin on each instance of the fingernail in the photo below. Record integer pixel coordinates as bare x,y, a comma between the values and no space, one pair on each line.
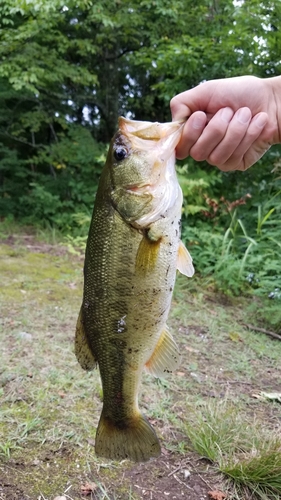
226,114
198,122
261,120
243,115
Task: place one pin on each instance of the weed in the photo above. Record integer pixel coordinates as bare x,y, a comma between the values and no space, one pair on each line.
259,471
6,448
50,407
246,452
244,257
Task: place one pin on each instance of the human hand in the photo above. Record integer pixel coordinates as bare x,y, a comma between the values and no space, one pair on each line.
232,122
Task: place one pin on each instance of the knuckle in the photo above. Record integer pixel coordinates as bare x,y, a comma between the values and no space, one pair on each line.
224,168
235,162
253,133
198,154
182,154
175,103
218,130
214,159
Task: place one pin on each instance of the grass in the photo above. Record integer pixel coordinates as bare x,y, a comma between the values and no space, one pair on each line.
259,474
239,436
206,409
243,449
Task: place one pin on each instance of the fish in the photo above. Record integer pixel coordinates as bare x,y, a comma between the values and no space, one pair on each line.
132,254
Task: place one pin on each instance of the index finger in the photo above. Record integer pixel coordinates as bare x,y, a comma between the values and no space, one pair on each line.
193,128
200,98
179,110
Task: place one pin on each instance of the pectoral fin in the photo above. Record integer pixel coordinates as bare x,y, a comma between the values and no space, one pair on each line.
147,255
166,356
184,262
82,351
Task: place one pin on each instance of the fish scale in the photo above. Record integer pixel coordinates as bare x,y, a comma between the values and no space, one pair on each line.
132,253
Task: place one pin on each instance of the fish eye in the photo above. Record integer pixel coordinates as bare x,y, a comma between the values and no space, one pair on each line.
120,153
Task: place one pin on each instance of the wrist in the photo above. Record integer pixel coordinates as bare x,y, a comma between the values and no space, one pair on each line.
275,86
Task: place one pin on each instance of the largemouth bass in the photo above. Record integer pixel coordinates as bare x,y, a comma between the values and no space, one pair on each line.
132,253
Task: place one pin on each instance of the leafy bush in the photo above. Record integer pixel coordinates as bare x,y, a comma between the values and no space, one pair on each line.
74,164
236,243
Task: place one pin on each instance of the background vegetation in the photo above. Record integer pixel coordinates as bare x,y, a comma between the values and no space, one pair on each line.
217,416
69,68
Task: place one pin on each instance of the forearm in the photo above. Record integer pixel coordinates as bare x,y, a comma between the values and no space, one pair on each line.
275,88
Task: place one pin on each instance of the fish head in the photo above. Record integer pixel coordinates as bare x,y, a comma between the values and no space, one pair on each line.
141,161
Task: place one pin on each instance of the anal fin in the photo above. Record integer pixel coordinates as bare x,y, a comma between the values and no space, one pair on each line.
184,262
166,357
82,350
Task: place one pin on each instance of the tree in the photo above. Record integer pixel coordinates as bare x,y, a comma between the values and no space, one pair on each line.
70,66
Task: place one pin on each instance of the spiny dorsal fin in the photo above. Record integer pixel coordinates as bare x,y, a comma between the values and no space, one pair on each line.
82,351
166,357
184,262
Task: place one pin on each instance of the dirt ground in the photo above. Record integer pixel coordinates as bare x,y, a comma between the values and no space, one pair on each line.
64,469
167,477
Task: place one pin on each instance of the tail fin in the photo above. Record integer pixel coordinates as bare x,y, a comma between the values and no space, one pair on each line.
134,440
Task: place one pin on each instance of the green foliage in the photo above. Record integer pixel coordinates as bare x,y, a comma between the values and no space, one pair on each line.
245,451
196,183
69,68
76,243
235,243
52,194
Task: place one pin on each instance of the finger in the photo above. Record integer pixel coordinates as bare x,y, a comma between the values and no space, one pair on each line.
191,132
212,135
179,110
250,148
236,132
195,99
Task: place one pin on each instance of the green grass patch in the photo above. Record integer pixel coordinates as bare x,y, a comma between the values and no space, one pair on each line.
49,407
240,446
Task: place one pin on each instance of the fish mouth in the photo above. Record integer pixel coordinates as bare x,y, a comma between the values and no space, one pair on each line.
159,139
150,131
135,188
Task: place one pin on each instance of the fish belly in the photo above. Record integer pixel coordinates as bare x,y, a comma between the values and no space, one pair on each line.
127,294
